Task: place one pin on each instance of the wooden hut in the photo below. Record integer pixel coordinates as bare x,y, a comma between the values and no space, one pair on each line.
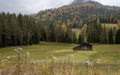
84,46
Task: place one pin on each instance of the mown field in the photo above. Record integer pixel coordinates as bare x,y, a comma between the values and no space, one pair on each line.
109,55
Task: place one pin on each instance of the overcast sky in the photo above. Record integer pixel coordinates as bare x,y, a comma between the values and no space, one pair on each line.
33,6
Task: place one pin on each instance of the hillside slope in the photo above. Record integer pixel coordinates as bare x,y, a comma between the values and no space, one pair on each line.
79,13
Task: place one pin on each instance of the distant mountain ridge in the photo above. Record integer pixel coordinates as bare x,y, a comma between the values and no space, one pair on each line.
76,2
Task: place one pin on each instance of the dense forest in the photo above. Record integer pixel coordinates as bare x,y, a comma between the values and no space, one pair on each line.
18,30
25,30
55,25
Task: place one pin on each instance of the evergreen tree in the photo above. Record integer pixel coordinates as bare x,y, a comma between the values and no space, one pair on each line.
74,40
118,37
110,37
18,30
80,39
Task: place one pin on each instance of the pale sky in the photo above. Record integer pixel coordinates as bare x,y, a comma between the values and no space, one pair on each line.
33,6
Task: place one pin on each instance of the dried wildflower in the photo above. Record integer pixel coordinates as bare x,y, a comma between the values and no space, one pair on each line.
70,56
53,57
61,60
15,49
5,60
18,50
27,54
8,57
13,56
88,62
97,61
33,61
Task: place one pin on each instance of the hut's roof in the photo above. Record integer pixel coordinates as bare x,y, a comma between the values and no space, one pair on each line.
82,46
86,44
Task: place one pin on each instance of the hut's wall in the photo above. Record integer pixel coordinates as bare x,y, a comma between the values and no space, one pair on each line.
83,47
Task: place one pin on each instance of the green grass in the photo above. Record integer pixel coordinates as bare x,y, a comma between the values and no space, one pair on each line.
108,54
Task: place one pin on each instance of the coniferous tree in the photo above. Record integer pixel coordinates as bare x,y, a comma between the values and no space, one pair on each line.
80,39
18,30
110,37
118,37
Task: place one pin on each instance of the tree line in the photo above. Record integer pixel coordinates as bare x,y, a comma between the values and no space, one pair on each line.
16,30
94,32
100,33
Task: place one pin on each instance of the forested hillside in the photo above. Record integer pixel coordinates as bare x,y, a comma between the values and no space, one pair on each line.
88,16
77,15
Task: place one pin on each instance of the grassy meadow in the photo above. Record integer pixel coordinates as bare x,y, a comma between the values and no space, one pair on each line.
46,53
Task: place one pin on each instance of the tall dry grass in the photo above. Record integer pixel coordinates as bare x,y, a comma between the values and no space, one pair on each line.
23,65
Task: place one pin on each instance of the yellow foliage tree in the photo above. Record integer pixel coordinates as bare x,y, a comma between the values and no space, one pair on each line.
64,28
47,32
84,33
118,23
